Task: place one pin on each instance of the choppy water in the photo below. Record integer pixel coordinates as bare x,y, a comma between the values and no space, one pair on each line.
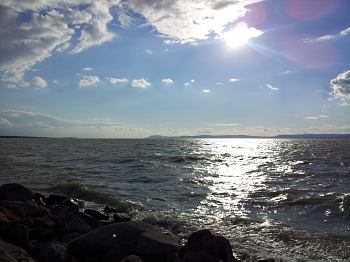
270,197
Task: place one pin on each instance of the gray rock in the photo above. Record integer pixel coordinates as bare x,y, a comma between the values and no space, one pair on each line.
12,253
122,236
15,192
53,252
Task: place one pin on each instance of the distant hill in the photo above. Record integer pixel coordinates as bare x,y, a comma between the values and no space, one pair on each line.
298,136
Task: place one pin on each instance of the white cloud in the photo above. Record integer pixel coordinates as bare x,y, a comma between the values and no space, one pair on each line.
206,91
88,81
168,81
5,123
115,81
140,83
87,68
34,118
39,82
55,81
342,33
271,87
340,87
49,26
219,84
316,117
148,51
189,21
233,80
189,83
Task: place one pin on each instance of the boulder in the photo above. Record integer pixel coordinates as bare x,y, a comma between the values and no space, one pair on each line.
122,236
96,214
121,217
54,200
18,210
53,252
204,244
69,237
12,253
89,220
108,209
15,192
68,220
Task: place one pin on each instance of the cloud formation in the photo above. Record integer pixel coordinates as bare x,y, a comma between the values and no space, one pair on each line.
39,82
48,26
87,69
189,83
89,81
233,80
271,87
5,123
342,33
340,87
140,83
116,81
316,117
168,81
32,31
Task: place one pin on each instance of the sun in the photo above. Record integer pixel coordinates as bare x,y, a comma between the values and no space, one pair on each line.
240,35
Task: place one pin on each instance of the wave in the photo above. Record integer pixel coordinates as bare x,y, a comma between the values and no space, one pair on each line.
86,192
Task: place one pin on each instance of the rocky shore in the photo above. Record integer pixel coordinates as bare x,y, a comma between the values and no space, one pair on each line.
55,228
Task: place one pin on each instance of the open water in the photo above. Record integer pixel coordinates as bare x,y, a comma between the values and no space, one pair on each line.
271,197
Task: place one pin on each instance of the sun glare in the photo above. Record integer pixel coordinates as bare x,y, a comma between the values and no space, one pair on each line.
240,35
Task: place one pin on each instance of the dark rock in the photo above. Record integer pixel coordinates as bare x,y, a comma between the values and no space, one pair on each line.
96,214
203,241
18,210
132,258
53,252
12,253
17,234
121,217
70,202
55,199
113,255
69,237
122,236
89,220
199,256
153,244
110,210
39,198
15,192
68,221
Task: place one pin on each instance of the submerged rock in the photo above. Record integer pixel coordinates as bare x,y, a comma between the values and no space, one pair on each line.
204,246
15,192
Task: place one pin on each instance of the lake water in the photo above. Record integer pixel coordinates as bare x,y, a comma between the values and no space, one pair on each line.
270,197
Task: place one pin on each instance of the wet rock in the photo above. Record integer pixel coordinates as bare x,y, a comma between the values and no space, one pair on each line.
96,214
89,220
122,236
39,198
15,192
132,258
68,221
54,200
115,254
121,217
204,244
108,209
53,252
12,253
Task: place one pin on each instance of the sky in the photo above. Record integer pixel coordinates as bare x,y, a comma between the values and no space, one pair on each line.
135,68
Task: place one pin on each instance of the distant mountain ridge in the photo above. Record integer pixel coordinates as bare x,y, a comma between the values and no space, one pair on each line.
300,136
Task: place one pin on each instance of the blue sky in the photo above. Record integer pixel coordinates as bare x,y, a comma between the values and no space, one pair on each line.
142,67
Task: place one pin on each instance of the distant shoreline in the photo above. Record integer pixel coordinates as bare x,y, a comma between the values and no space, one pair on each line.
159,137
